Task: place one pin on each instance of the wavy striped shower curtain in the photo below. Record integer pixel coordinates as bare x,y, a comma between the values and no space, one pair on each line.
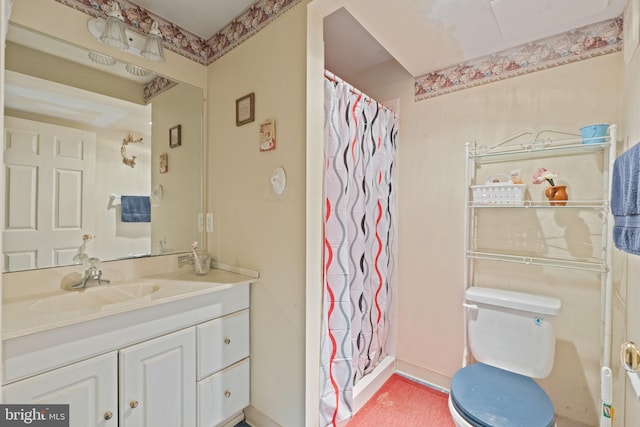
359,243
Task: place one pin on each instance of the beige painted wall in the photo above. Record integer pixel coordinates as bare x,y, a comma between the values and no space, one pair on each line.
56,69
431,197
175,220
253,227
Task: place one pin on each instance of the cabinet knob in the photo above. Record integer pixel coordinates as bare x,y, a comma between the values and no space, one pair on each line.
227,393
108,415
133,404
227,341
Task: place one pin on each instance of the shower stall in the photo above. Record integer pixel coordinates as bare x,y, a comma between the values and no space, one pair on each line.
359,261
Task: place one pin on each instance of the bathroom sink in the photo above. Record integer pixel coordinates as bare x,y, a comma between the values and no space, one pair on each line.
99,296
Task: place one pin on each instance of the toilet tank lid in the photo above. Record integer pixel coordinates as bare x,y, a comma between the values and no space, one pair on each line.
515,300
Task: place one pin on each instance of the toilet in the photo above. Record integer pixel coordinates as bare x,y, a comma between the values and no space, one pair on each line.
511,336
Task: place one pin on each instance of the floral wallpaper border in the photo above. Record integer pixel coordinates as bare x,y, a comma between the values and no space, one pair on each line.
181,41
156,87
597,39
576,45
255,18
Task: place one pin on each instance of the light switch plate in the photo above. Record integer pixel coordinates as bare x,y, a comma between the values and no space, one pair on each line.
209,222
200,219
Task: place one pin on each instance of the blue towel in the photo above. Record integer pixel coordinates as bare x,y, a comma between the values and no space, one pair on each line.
135,209
625,200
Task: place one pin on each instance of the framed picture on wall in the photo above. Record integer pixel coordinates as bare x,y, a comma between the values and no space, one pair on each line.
245,109
175,135
164,163
268,135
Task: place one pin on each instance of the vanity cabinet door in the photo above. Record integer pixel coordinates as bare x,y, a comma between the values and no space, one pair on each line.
89,387
158,382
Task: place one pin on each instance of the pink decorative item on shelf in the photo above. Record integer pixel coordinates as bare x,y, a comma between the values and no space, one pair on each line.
542,174
556,194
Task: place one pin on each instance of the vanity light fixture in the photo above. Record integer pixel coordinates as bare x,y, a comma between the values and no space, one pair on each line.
153,49
112,32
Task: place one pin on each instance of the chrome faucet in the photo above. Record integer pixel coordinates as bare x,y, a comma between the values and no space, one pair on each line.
92,272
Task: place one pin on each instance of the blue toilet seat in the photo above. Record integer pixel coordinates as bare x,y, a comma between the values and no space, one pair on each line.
491,397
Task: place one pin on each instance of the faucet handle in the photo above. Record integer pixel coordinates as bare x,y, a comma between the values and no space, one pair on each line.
94,262
80,258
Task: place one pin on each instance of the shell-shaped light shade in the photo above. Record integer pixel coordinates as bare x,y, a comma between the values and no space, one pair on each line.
153,49
113,33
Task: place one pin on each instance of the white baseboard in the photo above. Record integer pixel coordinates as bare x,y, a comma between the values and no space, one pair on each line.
255,418
429,378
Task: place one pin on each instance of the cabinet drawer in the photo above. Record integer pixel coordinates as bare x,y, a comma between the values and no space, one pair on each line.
223,395
222,342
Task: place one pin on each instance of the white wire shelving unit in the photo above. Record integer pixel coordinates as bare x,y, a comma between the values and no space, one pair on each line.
540,146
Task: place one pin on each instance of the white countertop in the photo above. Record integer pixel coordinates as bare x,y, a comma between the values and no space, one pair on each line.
21,317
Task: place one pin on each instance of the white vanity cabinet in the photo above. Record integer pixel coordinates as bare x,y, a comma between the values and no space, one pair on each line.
157,381
89,387
184,364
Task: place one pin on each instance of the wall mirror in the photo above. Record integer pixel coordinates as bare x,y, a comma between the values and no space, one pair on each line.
92,159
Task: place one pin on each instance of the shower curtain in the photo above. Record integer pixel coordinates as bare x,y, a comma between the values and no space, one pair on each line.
359,243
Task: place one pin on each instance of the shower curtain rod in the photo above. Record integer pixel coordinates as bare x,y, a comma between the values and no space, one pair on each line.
332,77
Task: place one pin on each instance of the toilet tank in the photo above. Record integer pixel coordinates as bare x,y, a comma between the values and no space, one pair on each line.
511,330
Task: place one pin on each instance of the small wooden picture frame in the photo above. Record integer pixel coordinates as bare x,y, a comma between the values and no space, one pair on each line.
175,136
245,109
164,163
268,135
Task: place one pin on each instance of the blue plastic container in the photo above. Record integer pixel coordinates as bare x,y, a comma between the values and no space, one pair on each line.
594,134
